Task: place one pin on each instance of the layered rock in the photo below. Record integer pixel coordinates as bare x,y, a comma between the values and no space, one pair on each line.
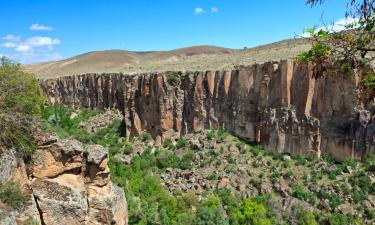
276,104
13,169
71,184
68,184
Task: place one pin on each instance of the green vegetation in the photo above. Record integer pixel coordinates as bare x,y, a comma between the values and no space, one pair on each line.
172,78
20,101
31,221
345,51
11,193
252,213
150,202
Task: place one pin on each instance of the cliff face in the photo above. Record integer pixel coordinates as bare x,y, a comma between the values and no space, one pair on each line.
276,104
66,183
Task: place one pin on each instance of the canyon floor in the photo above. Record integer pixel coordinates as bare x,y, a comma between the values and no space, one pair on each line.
194,58
213,175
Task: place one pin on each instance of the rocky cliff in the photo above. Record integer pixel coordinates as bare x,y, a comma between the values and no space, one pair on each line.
66,183
276,104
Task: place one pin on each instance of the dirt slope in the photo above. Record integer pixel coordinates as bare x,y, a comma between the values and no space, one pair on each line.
190,58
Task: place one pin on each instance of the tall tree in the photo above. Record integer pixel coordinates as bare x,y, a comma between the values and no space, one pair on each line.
349,49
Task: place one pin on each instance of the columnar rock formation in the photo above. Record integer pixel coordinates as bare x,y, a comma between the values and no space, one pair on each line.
276,104
67,184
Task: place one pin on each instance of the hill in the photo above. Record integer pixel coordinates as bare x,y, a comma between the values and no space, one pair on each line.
191,58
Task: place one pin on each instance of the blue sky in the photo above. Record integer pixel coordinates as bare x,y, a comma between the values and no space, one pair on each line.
35,30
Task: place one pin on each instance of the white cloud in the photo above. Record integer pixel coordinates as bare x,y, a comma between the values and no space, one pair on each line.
214,9
34,49
9,45
198,10
42,41
337,26
24,48
341,24
11,37
37,26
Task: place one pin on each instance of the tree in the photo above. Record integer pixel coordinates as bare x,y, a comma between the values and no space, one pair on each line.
20,100
252,213
347,50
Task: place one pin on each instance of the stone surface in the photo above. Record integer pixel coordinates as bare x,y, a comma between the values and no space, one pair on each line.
277,104
67,183
71,185
13,168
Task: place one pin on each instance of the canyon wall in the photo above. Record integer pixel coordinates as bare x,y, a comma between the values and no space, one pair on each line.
276,104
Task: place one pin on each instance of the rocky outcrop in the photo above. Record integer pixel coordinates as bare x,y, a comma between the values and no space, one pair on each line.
69,184
276,104
13,169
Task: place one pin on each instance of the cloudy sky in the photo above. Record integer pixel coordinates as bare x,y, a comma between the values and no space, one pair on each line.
37,31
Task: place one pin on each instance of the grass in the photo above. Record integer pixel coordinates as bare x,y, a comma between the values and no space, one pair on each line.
12,194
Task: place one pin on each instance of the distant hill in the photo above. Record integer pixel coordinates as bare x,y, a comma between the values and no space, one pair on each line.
190,58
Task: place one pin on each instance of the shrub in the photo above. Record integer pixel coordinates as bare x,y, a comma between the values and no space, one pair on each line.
167,159
145,137
181,143
185,162
230,158
370,162
299,160
304,217
211,134
289,174
172,78
339,219
230,169
275,176
361,184
168,143
256,150
252,213
300,192
333,198
20,101
212,176
12,194
31,221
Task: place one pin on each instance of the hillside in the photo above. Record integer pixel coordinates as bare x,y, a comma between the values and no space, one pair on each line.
190,58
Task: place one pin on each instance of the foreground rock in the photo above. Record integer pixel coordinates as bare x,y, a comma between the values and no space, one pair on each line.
69,184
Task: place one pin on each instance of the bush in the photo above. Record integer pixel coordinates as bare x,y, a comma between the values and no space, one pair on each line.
181,142
168,144
340,219
20,100
31,221
211,134
252,213
212,176
145,137
127,149
173,79
370,162
167,159
304,217
185,162
333,198
12,194
301,193
361,184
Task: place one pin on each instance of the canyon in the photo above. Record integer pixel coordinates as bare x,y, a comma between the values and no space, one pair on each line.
276,104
